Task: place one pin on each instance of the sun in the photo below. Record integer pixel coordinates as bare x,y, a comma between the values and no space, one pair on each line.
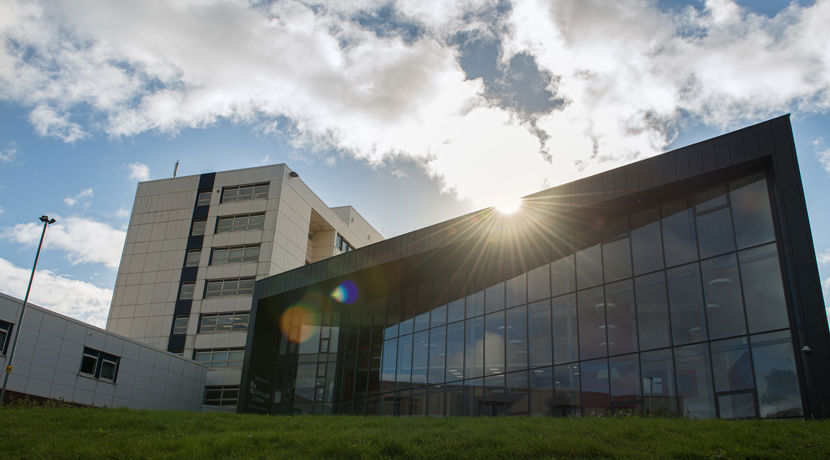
509,205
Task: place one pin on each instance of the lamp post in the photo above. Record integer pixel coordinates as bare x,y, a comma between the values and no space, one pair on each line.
46,221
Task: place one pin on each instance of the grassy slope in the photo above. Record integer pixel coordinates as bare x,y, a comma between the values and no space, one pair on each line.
121,433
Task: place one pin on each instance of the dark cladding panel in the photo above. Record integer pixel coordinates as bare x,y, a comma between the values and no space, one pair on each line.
695,160
736,149
709,160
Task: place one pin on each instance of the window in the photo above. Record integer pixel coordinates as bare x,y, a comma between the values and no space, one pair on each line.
203,199
186,291
5,333
192,258
99,365
240,222
245,192
180,324
198,227
221,395
220,357
342,245
231,286
224,322
235,254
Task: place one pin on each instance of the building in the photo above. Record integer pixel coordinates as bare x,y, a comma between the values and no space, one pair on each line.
194,247
684,283
62,358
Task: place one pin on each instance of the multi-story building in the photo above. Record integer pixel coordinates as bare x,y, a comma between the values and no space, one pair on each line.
196,244
685,283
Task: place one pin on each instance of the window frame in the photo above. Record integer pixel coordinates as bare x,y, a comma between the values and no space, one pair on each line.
212,362
236,223
188,260
6,329
99,358
216,316
199,227
241,192
227,249
222,400
177,326
182,291
200,197
225,290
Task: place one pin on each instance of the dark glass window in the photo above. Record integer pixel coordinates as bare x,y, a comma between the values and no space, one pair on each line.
740,405
455,351
563,279
595,386
99,365
5,331
616,255
694,381
678,233
766,307
437,339
388,364
180,324
516,398
474,347
652,311
517,290
455,310
421,322
714,224
494,396
89,362
186,291
404,367
494,343
203,199
474,397
589,267
223,395
192,258
685,304
420,357
228,287
245,192
731,364
198,227
539,329
516,338
592,337
541,391
776,375
240,222
455,399
724,305
625,382
751,211
646,241
621,320
565,335
494,298
658,382
436,400
538,283
566,389
475,303
438,316
235,254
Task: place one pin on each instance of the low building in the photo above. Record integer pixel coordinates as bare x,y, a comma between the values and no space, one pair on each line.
65,359
685,283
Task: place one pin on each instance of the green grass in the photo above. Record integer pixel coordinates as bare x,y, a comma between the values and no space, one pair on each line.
122,433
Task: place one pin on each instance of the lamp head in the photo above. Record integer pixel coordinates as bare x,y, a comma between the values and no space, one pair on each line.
47,220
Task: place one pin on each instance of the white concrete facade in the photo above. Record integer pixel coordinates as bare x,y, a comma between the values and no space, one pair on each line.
48,363
298,228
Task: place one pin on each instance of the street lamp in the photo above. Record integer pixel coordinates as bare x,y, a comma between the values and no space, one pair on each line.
46,221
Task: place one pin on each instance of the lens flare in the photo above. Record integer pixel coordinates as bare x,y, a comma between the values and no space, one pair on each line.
345,293
298,323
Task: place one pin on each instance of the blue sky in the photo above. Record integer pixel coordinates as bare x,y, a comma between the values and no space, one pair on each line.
413,112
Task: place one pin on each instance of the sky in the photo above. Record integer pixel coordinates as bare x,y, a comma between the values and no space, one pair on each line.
413,112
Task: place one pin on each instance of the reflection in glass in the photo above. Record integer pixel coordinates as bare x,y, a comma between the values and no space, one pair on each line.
541,391
741,405
652,311
616,259
494,298
766,307
625,382
566,390
494,343
473,397
658,382
562,275
454,401
678,233
694,381
620,314
751,211
420,357
589,267
731,364
595,390
437,338
775,375
404,360
475,304
565,338
436,400
455,351
422,322
495,402
516,339
538,283
686,304
517,393
455,310
517,290
724,305
474,348
419,402
438,316
539,329
592,338
387,373
714,233
646,241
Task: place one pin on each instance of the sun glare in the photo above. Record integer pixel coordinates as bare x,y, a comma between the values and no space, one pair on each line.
509,206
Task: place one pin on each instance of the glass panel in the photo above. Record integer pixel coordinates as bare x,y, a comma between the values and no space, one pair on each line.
192,258
88,364
494,343
473,397
405,326
710,199
620,316
737,405
517,338
517,290
686,304
455,310
475,304
455,400
494,298
419,402
658,382
724,305
595,394
455,351
678,233
566,390
198,227
751,211
616,259
731,365
494,396
625,382
437,337
766,307
539,329
404,367
436,400
565,338
694,381
538,283
438,316
541,391
589,267
517,393
714,233
652,311
422,322
563,278
474,348
775,375
186,291
592,338
646,241
420,357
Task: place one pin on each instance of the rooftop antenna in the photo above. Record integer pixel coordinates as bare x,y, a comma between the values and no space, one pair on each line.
175,168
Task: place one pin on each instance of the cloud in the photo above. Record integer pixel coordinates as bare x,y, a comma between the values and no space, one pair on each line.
824,158
84,240
122,213
9,153
139,171
77,299
576,86
824,257
86,193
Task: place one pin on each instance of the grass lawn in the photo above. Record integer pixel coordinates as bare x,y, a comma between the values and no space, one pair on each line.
123,433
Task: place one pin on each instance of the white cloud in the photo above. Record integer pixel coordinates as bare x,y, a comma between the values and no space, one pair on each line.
628,72
121,213
71,200
139,171
9,153
824,158
824,257
84,240
74,298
